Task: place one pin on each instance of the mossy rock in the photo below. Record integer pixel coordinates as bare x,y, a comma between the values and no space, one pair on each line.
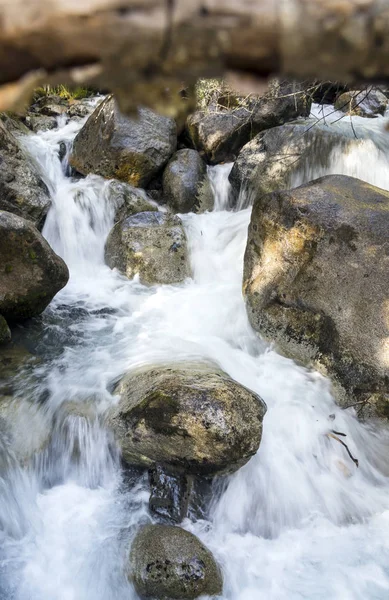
128,200
151,244
192,416
273,159
131,150
30,271
37,122
324,299
219,133
22,191
5,332
172,564
365,103
184,180
15,360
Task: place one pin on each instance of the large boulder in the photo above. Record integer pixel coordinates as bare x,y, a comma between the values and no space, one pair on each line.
366,103
152,244
13,124
316,281
31,272
171,563
219,133
183,179
115,146
188,415
22,191
271,160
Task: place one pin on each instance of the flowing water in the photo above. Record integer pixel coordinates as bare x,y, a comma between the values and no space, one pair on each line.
299,521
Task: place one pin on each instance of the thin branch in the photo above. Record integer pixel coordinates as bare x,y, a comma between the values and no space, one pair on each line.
335,437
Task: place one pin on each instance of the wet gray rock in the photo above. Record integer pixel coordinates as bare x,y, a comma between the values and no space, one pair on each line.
170,492
366,103
183,180
316,281
40,122
50,106
79,109
152,244
31,272
117,147
190,416
22,191
219,134
13,124
171,563
284,157
129,200
62,150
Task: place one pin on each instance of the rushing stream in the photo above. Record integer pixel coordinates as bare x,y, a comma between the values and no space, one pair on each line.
299,521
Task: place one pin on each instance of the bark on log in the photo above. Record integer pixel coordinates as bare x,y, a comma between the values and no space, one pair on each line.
144,50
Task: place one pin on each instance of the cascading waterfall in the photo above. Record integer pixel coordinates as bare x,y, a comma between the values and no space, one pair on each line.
298,521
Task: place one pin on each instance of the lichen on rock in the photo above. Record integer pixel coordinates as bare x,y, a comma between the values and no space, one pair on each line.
151,244
188,415
316,277
171,563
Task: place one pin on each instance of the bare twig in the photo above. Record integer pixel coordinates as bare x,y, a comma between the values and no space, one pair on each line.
335,437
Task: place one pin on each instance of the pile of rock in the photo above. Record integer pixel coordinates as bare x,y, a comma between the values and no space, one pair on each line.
142,153
31,272
184,422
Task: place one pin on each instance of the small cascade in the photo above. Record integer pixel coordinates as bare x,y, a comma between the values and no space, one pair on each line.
221,187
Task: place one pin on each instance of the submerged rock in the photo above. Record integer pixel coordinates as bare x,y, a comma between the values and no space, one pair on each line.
5,332
220,134
31,272
25,427
128,200
170,492
183,179
152,244
13,360
316,281
22,191
171,563
271,160
115,146
187,415
365,103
